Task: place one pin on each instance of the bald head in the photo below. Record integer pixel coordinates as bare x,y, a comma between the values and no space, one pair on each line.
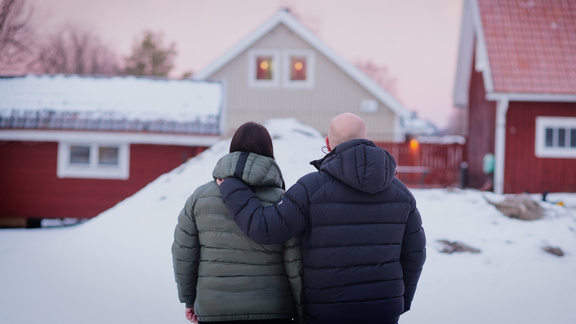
345,127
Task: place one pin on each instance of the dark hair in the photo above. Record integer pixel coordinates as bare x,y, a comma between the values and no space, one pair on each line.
252,137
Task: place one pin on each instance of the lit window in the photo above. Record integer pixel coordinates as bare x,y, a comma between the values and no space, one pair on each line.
298,69
96,161
268,69
556,137
262,67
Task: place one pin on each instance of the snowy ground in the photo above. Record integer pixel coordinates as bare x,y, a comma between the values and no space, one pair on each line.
117,268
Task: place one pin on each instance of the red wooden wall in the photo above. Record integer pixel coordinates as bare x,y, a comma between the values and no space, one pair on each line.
523,171
443,160
481,130
29,187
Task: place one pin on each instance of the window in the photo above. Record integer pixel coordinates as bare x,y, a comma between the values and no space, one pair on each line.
298,68
79,155
273,68
263,68
108,155
98,161
556,137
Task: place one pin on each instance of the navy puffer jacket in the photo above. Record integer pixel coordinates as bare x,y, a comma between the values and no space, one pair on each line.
362,238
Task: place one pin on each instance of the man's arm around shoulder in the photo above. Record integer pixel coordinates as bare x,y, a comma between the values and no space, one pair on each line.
273,224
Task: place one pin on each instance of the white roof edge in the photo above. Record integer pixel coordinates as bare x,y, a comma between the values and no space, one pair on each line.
283,16
115,137
497,96
240,47
370,85
471,25
465,57
482,61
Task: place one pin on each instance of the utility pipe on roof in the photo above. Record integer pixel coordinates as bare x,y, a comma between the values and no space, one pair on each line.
500,145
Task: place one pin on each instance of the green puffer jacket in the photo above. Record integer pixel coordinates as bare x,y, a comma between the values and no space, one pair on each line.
219,271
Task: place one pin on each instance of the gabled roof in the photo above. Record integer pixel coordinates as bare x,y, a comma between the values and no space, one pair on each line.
525,49
284,16
110,104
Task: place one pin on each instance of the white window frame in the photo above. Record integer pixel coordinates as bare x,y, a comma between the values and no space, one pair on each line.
310,69
255,83
93,170
555,122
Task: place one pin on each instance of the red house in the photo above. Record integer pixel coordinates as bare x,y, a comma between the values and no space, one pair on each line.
72,147
516,81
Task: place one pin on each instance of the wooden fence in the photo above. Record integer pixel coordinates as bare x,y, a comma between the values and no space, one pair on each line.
427,164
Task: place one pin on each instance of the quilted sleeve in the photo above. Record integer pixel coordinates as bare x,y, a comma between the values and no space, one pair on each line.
185,254
294,268
273,224
413,255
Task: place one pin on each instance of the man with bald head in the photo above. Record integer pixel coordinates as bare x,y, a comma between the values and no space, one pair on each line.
363,245
344,128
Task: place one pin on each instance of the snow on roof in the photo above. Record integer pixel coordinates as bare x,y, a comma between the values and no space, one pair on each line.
111,98
417,126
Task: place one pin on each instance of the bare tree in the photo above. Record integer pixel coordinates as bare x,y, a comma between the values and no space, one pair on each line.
72,50
16,35
379,74
150,57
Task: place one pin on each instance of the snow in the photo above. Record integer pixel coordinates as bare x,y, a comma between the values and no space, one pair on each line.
113,97
117,267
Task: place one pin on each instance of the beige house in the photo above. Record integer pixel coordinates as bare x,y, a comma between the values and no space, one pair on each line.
283,70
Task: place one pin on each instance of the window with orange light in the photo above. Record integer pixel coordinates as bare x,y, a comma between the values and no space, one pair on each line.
264,68
298,68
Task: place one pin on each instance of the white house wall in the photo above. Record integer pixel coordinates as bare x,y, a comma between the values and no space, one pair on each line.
334,92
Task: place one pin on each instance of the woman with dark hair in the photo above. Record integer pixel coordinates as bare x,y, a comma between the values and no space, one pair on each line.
221,274
252,137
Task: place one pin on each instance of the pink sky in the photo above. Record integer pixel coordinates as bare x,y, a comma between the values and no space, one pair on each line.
417,40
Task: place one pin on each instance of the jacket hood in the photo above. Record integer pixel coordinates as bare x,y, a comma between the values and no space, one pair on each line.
252,168
360,164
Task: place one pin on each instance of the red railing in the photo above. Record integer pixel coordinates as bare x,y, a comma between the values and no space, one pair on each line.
427,164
